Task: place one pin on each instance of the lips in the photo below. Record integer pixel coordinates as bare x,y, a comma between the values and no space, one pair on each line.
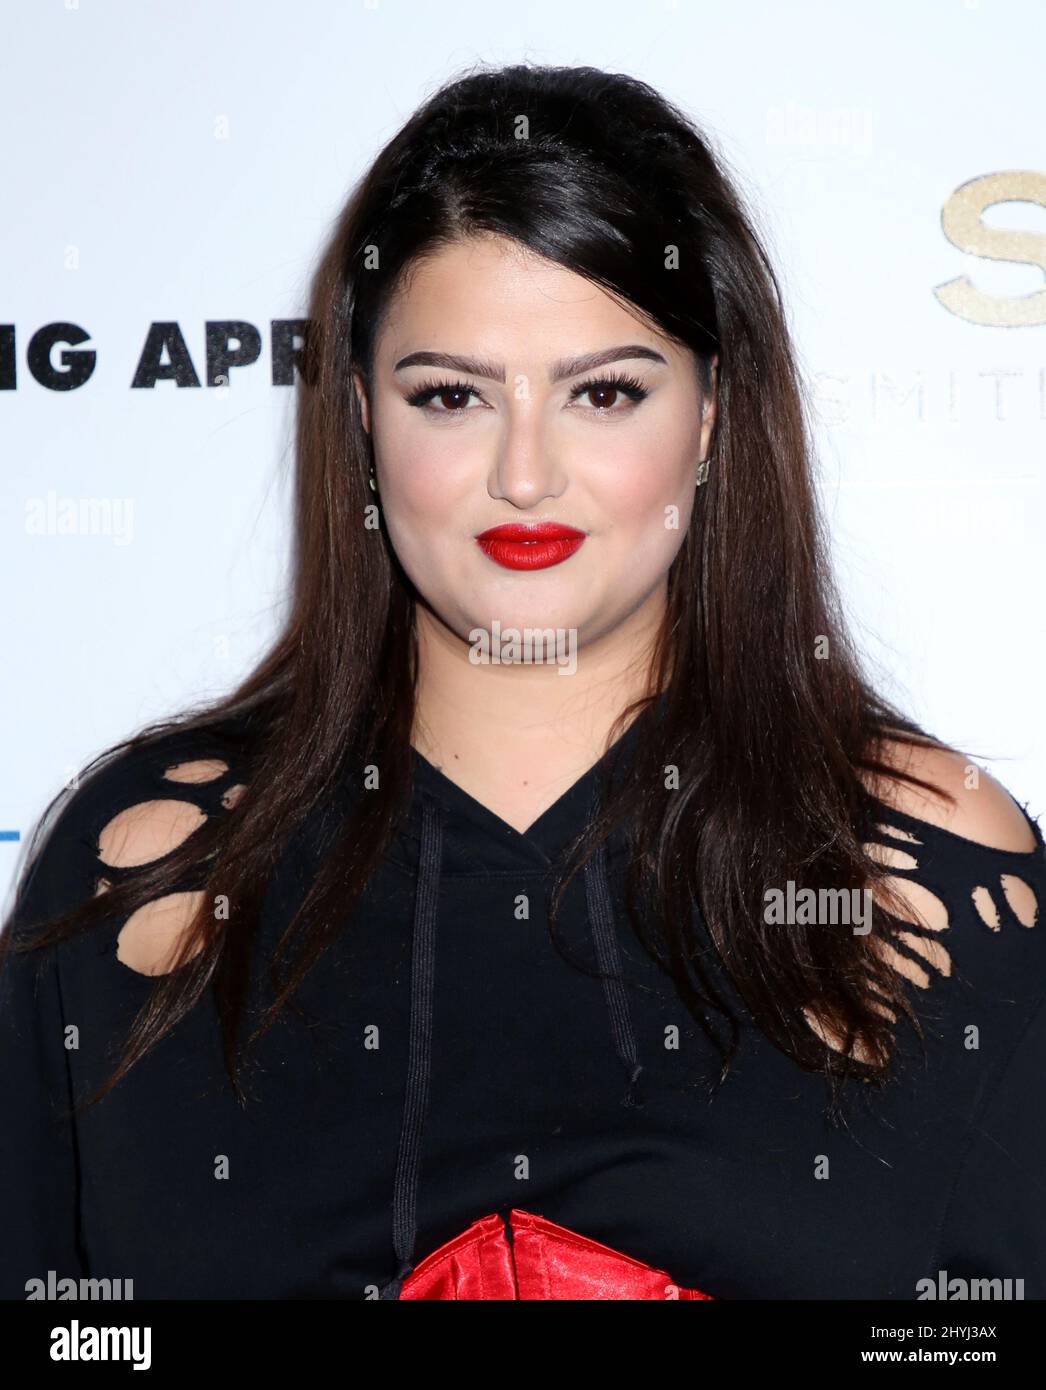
534,547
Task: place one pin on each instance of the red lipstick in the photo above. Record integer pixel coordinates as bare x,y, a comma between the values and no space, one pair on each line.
533,547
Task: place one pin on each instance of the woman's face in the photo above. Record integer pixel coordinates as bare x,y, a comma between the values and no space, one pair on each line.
525,432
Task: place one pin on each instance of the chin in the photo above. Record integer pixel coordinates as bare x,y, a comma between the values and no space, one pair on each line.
513,637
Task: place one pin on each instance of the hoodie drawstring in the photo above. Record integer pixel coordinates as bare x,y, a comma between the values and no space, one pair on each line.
419,1062
422,985
601,915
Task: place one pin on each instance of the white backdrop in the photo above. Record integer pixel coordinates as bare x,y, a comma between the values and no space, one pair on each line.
182,162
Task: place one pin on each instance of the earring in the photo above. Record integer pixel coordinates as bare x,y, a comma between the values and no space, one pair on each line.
372,481
702,472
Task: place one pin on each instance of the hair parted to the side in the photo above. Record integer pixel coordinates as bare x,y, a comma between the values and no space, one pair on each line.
596,172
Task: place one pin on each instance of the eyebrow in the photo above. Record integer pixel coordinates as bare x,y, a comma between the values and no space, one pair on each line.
559,371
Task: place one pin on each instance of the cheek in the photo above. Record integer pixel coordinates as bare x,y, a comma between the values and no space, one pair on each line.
424,493
646,505
419,517
419,494
416,472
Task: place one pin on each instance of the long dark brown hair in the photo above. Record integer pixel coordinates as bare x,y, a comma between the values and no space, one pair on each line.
766,713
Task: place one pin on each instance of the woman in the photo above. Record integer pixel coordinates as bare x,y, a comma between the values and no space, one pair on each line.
657,956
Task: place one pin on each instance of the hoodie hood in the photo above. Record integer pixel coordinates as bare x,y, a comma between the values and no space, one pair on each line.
449,833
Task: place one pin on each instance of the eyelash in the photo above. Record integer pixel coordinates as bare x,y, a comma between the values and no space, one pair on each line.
627,385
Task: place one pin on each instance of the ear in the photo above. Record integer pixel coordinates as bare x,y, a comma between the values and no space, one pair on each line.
708,408
361,392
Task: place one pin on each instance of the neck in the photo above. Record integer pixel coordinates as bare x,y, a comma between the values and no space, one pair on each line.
517,734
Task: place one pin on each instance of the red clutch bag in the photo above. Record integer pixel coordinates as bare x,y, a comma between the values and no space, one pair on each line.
529,1257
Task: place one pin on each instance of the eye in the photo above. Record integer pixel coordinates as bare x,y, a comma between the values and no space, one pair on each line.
452,395
609,386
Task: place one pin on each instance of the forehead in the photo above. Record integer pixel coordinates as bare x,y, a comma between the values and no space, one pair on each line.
491,294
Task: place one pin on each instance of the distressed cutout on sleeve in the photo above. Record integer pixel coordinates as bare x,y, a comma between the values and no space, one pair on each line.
149,938
1021,898
148,830
200,770
943,879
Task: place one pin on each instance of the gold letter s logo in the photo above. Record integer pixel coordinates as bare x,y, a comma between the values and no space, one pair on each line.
961,221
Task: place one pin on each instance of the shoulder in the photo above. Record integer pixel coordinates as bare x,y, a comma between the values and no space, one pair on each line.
152,798
960,853
131,806
969,867
963,879
966,801
128,807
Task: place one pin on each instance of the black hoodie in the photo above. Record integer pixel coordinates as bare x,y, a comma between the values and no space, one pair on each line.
452,1062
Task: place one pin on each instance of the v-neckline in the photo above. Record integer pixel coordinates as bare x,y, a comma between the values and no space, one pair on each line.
557,824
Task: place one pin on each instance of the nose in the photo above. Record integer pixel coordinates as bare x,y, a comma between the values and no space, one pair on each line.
527,469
